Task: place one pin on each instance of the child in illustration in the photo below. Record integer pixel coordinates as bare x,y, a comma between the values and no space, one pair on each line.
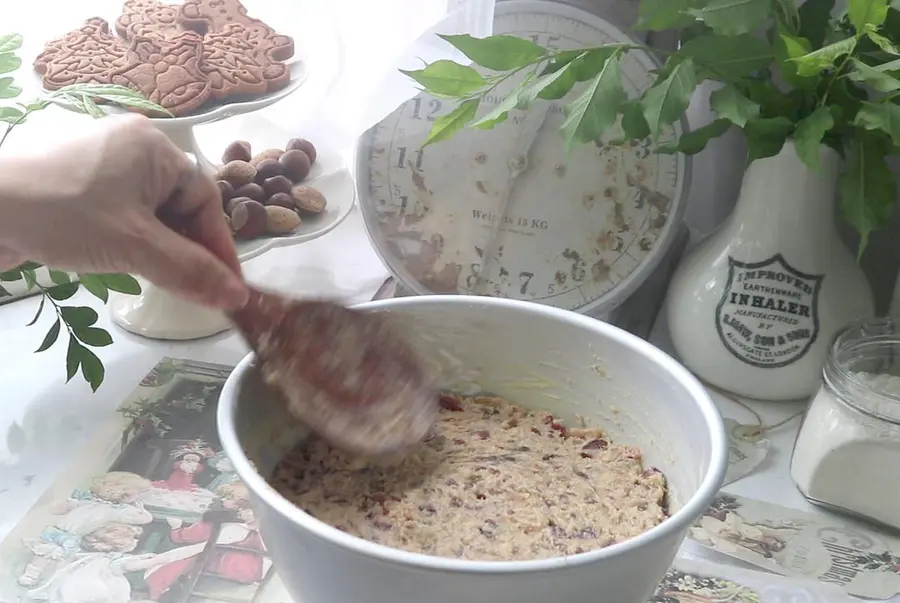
111,498
184,472
97,574
247,566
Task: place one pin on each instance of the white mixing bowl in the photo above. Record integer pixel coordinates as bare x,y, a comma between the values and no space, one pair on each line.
535,356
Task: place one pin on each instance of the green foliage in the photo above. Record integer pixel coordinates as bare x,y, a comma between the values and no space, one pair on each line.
787,71
78,322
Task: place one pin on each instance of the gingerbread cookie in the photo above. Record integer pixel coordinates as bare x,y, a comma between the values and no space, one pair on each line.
211,16
167,71
236,67
88,55
149,18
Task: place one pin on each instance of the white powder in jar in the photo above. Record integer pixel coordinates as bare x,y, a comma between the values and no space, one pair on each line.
848,460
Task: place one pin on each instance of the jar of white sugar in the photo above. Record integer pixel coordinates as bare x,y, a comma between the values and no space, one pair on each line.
847,454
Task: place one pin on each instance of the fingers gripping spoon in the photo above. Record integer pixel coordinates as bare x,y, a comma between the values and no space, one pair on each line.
345,374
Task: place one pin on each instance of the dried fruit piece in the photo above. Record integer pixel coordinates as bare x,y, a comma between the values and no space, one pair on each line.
267,154
239,150
277,184
301,144
252,190
281,220
282,200
226,190
295,165
268,168
237,173
249,219
308,199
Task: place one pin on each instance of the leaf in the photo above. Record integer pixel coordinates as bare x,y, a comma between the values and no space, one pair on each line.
78,316
496,115
589,64
666,101
815,16
11,276
9,62
790,13
10,42
561,86
691,143
867,187
92,369
660,15
877,80
30,277
788,48
93,336
63,292
446,125
766,136
95,286
883,43
498,53
121,283
38,313
446,78
50,338
91,107
560,60
4,292
727,57
57,277
867,12
730,104
112,93
8,89
809,134
73,358
825,57
634,125
596,109
11,115
533,91
884,117
734,17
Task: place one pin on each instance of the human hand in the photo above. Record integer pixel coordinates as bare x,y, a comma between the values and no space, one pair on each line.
121,199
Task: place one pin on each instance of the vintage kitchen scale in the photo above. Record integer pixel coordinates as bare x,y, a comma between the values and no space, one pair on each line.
500,212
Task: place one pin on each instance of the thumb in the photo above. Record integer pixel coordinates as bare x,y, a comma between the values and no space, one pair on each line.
188,270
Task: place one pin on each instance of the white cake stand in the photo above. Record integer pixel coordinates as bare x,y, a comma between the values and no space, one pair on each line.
314,70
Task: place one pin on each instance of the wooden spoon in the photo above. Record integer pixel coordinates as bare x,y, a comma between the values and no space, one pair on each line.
346,374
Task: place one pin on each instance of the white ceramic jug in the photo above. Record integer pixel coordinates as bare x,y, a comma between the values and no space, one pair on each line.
754,308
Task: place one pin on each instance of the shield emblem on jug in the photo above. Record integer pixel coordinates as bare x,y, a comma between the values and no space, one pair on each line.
768,316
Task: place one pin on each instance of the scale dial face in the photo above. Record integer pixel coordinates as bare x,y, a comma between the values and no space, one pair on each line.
569,232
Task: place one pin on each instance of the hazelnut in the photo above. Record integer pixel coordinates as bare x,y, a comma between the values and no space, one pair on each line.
237,173
239,150
295,164
282,200
268,168
234,202
225,189
249,219
281,220
301,144
267,154
308,199
252,190
277,184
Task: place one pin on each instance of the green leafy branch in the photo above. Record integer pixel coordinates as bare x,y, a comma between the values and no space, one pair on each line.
815,78
79,321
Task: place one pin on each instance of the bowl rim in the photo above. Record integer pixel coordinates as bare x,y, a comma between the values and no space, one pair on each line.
678,522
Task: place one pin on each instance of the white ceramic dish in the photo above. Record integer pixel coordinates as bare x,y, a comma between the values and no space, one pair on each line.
534,355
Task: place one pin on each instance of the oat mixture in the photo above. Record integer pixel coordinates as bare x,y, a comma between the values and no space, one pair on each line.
492,481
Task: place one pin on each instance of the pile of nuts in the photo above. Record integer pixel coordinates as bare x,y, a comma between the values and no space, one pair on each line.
263,194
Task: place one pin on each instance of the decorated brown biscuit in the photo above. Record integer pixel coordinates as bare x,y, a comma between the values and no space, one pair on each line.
214,15
149,18
236,67
88,55
167,71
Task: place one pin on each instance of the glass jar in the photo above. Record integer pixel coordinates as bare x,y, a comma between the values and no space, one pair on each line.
847,453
